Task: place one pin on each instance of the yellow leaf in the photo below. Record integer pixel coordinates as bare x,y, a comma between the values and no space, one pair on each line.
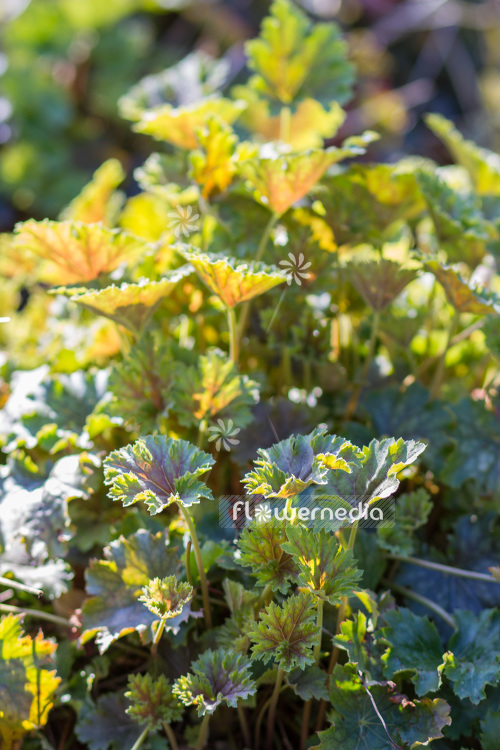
98,201
213,165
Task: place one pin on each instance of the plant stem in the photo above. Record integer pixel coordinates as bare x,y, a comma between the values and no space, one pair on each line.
21,586
158,633
36,613
234,344
188,563
201,433
170,736
244,725
285,124
272,709
353,401
438,375
199,561
421,600
446,569
203,735
141,739
319,625
306,718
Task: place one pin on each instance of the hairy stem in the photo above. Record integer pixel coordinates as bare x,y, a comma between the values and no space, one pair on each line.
189,575
170,736
438,375
40,614
201,570
446,569
234,344
353,401
203,734
421,600
141,739
20,586
272,709
158,635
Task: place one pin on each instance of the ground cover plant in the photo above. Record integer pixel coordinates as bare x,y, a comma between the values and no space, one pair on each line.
266,326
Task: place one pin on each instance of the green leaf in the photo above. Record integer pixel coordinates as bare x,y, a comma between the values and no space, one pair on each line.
28,681
412,511
414,646
131,305
179,125
474,657
216,677
214,161
379,282
98,202
308,683
286,633
460,226
280,180
158,470
327,570
108,723
213,390
482,165
293,58
231,280
356,724
376,477
490,730
193,78
166,597
152,701
261,547
463,297
357,637
73,253
292,465
115,585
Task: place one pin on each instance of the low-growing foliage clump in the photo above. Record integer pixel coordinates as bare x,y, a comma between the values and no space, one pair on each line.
267,325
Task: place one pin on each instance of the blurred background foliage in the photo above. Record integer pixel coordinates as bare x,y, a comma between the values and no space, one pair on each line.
64,65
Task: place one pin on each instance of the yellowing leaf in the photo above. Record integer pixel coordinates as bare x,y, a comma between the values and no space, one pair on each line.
145,215
72,252
213,165
232,281
132,305
178,125
27,687
293,58
310,121
98,201
280,180
459,294
321,232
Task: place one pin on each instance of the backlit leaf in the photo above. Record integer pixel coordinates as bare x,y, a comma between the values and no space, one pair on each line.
152,701
28,681
261,547
463,297
159,471
231,280
179,125
72,252
213,163
287,633
216,677
132,305
293,58
380,282
166,597
98,201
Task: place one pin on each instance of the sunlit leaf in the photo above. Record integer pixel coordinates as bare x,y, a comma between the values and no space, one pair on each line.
463,297
280,180
28,681
213,390
98,201
132,305
293,58
216,677
231,280
213,163
166,597
179,125
72,252
159,471
261,547
152,701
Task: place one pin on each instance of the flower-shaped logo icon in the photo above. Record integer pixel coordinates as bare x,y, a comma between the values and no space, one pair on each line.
183,221
223,433
263,513
295,268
